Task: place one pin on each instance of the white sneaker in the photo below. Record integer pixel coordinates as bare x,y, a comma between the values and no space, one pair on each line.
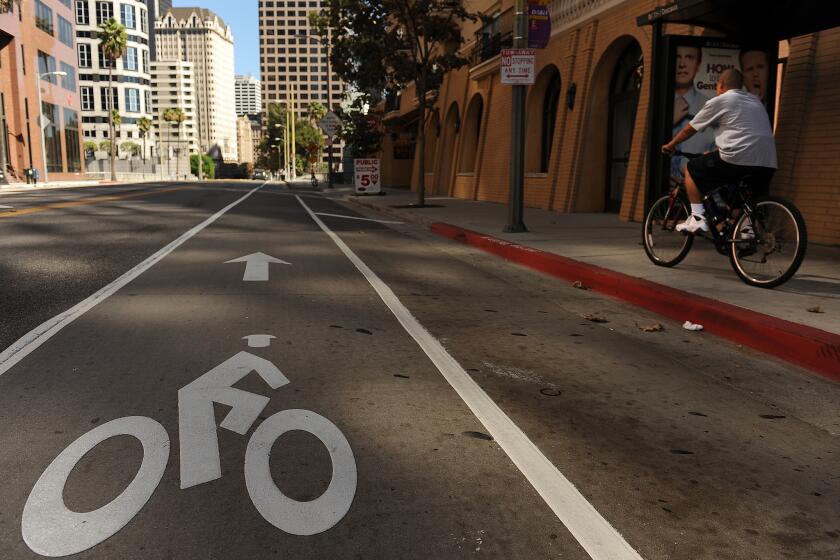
747,231
692,224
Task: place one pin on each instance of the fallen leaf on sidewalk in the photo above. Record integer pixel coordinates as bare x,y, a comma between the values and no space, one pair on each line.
656,327
816,309
579,285
594,318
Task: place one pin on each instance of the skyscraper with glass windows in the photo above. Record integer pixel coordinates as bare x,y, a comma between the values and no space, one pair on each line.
130,92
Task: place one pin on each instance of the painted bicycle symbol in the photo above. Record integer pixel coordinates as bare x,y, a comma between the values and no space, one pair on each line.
49,528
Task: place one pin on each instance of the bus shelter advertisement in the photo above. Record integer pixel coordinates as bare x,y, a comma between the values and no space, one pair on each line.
695,70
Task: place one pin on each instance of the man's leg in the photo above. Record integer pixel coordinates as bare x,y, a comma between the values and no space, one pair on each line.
697,220
691,188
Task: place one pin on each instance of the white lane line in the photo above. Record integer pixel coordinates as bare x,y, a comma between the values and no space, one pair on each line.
46,330
357,218
592,531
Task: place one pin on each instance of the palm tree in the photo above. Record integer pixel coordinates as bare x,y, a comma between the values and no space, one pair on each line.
112,40
145,125
175,115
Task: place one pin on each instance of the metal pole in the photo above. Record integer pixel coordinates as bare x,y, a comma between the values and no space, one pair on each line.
41,126
516,203
329,108
294,157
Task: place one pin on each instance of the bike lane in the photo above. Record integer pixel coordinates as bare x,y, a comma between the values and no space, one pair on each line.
427,482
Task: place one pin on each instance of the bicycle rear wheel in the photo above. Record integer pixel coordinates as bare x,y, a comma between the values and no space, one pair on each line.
771,245
664,245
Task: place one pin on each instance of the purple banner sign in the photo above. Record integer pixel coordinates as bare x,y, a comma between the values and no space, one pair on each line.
539,24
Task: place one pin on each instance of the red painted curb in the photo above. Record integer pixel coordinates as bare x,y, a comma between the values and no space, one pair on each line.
801,345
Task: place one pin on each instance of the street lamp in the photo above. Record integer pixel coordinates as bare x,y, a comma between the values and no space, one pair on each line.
41,120
279,155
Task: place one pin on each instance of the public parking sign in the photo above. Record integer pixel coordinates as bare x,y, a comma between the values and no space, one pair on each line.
367,176
517,66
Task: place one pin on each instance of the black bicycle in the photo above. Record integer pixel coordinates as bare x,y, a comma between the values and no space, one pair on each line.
764,237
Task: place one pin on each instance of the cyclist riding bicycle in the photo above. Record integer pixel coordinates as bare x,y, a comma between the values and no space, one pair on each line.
745,146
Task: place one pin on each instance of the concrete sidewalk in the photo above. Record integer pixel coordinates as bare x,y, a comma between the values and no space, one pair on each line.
605,241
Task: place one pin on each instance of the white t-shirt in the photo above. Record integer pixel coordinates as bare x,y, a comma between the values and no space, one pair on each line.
742,128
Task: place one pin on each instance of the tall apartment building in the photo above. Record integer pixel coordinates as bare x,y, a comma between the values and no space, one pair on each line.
199,36
248,96
156,9
36,38
131,92
292,57
173,86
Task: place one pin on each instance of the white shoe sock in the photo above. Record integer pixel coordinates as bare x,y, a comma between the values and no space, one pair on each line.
698,209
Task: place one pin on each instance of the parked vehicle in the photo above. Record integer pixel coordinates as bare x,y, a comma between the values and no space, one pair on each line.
259,175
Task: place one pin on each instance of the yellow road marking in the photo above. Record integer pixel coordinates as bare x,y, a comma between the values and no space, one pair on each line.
86,202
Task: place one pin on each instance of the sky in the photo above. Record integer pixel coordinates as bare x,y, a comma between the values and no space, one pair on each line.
241,16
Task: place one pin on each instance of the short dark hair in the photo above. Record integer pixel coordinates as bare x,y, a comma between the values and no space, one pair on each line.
732,78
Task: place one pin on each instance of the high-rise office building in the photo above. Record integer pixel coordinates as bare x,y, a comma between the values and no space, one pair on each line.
199,36
293,58
248,96
36,39
131,92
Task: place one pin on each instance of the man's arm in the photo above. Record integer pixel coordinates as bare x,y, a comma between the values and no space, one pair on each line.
681,137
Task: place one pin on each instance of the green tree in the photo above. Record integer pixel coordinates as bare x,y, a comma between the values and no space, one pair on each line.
208,167
360,128
175,116
105,146
316,112
90,147
385,45
145,125
130,147
305,134
112,40
277,116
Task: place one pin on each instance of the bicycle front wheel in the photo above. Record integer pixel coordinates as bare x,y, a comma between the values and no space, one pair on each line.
664,245
769,243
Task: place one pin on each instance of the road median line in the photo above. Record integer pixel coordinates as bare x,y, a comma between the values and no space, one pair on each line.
801,345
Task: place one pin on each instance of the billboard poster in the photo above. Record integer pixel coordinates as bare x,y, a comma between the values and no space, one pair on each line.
696,68
539,24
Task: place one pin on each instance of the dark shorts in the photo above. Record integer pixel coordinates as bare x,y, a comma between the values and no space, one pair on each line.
710,172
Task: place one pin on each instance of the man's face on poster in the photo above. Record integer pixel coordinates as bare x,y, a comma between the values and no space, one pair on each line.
755,69
688,62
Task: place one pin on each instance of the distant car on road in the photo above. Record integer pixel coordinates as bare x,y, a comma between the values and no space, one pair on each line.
259,174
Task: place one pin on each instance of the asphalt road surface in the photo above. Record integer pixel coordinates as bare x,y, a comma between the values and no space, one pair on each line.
238,370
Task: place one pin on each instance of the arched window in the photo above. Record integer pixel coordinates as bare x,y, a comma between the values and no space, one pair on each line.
624,99
541,120
472,132
551,101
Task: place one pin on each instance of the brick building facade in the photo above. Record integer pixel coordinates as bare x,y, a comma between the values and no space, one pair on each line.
588,115
38,38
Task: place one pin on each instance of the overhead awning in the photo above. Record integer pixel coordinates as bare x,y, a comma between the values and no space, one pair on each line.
750,20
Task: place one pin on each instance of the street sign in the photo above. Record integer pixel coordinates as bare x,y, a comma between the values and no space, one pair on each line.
367,176
517,66
539,24
330,124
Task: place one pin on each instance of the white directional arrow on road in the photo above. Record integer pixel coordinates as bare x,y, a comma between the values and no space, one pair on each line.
256,266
